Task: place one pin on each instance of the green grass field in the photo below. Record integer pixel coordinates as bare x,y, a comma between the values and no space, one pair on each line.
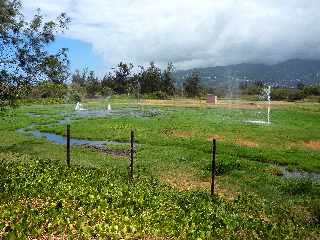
170,195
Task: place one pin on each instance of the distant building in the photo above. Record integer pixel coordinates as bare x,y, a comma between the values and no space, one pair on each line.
212,99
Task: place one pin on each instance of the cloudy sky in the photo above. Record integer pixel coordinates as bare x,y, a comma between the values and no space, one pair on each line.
190,33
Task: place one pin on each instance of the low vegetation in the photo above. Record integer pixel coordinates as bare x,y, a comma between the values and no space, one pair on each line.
44,198
170,195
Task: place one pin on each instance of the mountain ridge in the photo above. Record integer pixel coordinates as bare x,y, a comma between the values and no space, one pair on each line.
283,74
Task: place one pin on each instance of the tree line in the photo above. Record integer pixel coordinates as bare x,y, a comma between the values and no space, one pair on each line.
148,81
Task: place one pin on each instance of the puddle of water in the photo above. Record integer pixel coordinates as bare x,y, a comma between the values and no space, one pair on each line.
299,174
24,130
134,112
66,120
68,117
35,115
129,111
73,141
258,122
58,139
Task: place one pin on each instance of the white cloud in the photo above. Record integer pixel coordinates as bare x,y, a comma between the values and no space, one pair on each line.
192,33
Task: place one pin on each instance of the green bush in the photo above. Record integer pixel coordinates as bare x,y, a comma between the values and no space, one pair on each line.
273,170
157,95
279,94
41,101
224,166
295,95
49,89
311,90
72,98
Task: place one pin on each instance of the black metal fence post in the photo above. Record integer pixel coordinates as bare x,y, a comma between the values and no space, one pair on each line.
214,148
131,155
68,145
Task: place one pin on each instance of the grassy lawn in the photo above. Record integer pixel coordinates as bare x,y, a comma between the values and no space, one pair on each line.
169,198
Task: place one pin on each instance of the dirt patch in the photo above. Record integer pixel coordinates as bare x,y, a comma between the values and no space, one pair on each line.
108,151
246,142
222,103
315,145
183,134
187,181
177,102
35,203
184,181
188,134
215,136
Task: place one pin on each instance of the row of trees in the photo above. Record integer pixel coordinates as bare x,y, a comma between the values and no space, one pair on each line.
150,80
300,92
294,94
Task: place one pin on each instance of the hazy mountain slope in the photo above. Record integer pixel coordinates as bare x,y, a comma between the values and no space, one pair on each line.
287,73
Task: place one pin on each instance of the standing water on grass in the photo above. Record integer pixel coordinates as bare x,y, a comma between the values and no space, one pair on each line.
81,113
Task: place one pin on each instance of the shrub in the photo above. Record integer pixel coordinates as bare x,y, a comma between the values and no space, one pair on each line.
72,98
279,94
224,166
49,89
295,95
275,171
42,101
157,95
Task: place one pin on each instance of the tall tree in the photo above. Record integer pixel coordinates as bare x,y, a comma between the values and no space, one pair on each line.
168,81
24,59
79,78
107,85
121,77
192,85
150,79
92,84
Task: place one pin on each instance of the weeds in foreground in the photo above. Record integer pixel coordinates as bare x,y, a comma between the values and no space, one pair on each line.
42,198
